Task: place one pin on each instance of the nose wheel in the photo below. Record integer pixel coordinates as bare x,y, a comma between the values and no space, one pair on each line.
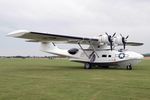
129,67
87,66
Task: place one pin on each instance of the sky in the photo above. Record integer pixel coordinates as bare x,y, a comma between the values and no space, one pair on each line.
73,17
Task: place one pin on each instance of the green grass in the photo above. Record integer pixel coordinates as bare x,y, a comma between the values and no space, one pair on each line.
43,79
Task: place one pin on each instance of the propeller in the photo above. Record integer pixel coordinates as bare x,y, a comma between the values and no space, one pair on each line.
110,39
124,39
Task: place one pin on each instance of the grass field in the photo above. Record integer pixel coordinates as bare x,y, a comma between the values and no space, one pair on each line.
43,79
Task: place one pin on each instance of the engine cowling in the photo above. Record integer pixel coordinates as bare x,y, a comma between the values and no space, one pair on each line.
107,39
118,40
121,40
103,39
112,40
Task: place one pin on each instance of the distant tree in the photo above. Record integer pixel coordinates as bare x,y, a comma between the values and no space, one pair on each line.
147,55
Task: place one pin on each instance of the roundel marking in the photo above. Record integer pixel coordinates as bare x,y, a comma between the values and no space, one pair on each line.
121,55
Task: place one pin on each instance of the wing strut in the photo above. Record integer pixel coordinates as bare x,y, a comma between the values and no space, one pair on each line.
94,49
83,50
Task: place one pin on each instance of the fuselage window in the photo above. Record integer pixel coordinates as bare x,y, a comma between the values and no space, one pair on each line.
104,55
109,56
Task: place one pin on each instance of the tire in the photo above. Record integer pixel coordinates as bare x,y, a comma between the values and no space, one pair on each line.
129,67
87,66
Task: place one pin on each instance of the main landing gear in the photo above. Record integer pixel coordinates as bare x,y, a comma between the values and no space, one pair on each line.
87,66
129,67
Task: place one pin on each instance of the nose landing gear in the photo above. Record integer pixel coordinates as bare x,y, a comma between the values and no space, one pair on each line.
129,67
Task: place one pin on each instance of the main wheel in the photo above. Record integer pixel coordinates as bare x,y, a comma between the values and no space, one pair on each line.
87,66
129,67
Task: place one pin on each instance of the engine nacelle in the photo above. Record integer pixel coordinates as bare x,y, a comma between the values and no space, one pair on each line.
118,40
103,39
113,41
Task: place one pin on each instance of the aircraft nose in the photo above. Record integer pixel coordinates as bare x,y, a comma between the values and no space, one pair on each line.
135,55
139,56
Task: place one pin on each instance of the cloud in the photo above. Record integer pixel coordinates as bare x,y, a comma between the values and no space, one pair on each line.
78,17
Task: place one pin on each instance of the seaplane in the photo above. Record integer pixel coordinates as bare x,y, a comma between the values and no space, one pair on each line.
101,50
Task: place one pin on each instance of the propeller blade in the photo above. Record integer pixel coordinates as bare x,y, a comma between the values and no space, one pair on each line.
114,34
111,46
127,37
121,35
106,33
124,41
124,46
110,39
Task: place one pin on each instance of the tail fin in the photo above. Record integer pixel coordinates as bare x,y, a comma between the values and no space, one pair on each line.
50,47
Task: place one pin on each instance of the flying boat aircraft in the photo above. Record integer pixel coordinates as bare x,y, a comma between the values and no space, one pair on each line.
101,50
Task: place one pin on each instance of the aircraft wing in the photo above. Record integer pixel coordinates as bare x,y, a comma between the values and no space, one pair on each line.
45,37
134,44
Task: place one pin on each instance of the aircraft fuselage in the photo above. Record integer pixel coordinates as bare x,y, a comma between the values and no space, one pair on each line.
110,58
